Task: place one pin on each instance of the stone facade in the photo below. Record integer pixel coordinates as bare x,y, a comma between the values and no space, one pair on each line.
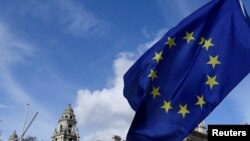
116,138
13,137
66,129
199,133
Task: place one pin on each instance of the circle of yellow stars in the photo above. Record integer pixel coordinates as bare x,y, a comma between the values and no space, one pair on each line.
211,80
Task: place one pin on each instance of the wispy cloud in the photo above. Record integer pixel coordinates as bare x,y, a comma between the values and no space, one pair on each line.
69,16
103,113
156,37
15,51
145,32
174,11
183,7
12,50
80,20
3,106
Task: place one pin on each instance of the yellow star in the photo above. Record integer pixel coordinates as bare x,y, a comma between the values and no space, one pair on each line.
167,106
213,61
155,92
200,101
189,36
183,110
211,81
201,41
152,74
158,56
170,42
208,44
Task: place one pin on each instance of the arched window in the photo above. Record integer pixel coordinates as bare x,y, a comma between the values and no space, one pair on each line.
70,127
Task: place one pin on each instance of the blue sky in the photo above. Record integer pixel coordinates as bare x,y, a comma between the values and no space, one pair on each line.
56,52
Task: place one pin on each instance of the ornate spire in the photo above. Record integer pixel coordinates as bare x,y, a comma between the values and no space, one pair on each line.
68,110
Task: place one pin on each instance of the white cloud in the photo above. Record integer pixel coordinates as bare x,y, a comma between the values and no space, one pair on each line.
104,113
156,37
145,32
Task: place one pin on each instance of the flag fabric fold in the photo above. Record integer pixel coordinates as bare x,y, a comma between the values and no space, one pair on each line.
188,72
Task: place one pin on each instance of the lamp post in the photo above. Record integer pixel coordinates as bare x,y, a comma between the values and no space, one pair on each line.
24,121
24,129
0,131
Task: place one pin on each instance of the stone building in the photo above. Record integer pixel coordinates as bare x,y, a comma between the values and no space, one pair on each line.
199,134
116,138
13,137
66,129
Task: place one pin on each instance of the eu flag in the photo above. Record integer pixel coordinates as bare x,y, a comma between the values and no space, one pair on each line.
187,73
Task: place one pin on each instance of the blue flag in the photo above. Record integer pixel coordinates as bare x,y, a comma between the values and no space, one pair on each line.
187,73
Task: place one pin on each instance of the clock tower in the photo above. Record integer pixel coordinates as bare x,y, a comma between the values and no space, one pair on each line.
66,129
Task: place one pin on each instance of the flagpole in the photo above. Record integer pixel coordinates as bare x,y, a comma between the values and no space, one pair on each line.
24,121
242,7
